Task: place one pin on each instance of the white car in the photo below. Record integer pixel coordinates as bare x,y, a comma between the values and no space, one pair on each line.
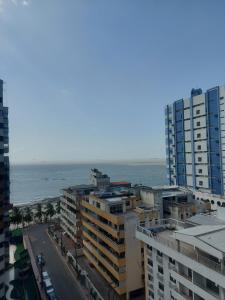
45,275
48,286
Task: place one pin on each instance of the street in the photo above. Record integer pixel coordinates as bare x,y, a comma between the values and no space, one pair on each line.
62,278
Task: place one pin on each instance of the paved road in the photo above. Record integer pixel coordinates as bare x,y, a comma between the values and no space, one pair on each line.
62,278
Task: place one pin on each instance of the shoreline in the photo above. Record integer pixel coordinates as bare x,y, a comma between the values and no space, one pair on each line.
33,204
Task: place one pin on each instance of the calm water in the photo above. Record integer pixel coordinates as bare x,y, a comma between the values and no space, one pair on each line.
35,182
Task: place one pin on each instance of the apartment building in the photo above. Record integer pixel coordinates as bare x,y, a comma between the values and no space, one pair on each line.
70,217
183,260
172,201
195,141
4,191
109,220
98,179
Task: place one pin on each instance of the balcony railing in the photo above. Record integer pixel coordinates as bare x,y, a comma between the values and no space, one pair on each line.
187,251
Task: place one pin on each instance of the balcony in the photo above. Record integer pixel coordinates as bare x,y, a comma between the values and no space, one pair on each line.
160,277
167,239
159,259
160,293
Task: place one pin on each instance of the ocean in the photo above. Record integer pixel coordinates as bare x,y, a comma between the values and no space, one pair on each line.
36,182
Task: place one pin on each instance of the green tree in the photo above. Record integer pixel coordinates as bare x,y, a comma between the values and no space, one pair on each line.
28,215
58,208
16,216
50,211
39,213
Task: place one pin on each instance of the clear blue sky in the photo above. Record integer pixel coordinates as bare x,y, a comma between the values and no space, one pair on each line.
89,80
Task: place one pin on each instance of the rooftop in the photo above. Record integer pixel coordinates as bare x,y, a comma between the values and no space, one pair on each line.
203,243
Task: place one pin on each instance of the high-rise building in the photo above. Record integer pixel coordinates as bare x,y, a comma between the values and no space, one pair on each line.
183,260
4,191
195,139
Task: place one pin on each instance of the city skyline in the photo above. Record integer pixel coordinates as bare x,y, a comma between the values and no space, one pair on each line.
90,81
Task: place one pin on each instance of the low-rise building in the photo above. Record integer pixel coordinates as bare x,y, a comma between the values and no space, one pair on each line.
183,261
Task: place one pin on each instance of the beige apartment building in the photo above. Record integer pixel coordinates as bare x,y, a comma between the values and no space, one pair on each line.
109,220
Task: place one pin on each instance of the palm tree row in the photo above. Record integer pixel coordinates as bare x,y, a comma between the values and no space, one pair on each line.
26,216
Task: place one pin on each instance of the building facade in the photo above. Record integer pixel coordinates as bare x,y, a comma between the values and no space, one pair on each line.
183,261
70,217
195,141
4,191
109,223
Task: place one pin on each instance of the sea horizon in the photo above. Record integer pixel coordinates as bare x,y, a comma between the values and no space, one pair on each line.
35,182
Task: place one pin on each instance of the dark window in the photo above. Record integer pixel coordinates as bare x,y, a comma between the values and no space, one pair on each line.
199,147
200,171
200,182
198,112
218,203
198,123
98,204
198,135
150,262
212,201
160,269
199,159
159,253
161,286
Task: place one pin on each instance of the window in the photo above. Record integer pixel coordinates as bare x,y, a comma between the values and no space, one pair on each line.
159,253
200,183
150,262
200,171
151,294
218,203
198,135
172,261
212,201
98,204
199,159
150,277
161,286
128,203
116,209
199,147
121,227
198,111
172,279
149,247
198,124
160,269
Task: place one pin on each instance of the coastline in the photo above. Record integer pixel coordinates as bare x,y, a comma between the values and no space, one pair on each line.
33,204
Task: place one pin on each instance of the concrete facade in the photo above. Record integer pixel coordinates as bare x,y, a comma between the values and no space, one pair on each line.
195,141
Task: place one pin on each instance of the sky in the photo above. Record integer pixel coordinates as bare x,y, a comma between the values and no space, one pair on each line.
88,80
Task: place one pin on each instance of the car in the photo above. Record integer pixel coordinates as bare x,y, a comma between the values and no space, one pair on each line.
45,275
52,296
48,286
40,260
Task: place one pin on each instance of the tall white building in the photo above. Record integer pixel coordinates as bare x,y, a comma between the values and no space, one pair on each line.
183,261
195,139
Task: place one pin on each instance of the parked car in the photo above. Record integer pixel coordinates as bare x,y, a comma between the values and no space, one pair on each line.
45,275
48,286
52,296
40,260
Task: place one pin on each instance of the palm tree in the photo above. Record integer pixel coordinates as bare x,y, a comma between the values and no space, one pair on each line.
28,216
50,211
58,208
16,216
39,212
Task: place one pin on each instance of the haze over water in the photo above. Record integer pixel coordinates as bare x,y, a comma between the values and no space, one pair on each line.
36,182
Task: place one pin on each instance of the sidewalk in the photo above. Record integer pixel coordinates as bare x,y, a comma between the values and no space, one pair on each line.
105,290
34,267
